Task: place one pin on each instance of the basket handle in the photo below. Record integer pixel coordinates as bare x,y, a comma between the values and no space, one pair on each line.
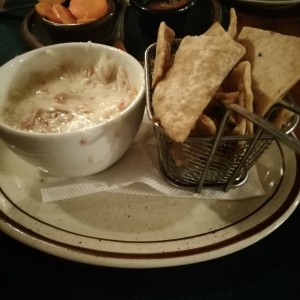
263,125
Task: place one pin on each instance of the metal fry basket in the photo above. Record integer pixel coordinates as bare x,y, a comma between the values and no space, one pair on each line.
219,162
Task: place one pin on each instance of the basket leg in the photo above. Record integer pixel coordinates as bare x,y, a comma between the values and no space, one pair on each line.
213,150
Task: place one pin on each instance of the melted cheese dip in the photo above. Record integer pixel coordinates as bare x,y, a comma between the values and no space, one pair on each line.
69,99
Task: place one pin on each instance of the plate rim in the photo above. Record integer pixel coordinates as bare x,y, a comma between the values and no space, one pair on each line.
159,259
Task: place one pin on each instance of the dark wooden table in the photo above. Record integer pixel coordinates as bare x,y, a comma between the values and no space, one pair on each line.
269,269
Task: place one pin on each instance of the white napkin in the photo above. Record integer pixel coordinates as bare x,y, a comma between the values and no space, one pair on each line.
137,172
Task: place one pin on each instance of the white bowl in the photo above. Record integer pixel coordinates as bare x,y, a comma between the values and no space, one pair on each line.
83,152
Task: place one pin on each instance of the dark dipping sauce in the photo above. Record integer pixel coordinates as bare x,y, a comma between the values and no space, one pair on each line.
165,4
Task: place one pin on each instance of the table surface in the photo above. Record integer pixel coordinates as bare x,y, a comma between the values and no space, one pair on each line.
269,269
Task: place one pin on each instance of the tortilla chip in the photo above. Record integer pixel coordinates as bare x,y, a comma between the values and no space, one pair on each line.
200,65
163,52
217,107
225,98
205,126
240,80
178,154
214,30
282,118
275,61
232,28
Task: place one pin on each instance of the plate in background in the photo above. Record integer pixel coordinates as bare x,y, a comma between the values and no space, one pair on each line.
265,4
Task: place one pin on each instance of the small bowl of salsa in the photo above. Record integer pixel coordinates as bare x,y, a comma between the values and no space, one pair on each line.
152,12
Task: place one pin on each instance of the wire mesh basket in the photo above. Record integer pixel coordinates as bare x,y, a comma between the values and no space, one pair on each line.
219,162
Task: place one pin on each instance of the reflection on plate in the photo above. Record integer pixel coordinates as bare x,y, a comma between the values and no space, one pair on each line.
203,15
120,230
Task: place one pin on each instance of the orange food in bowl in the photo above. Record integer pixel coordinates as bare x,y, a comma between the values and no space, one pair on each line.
45,10
78,11
88,9
63,14
83,21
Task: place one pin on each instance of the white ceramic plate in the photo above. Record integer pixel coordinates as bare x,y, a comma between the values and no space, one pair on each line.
268,4
137,232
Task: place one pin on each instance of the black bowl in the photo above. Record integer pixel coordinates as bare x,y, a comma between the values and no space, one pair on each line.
98,31
150,17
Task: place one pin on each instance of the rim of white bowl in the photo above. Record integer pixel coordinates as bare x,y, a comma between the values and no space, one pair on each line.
137,99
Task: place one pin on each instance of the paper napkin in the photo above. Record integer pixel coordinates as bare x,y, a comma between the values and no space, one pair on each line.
137,172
